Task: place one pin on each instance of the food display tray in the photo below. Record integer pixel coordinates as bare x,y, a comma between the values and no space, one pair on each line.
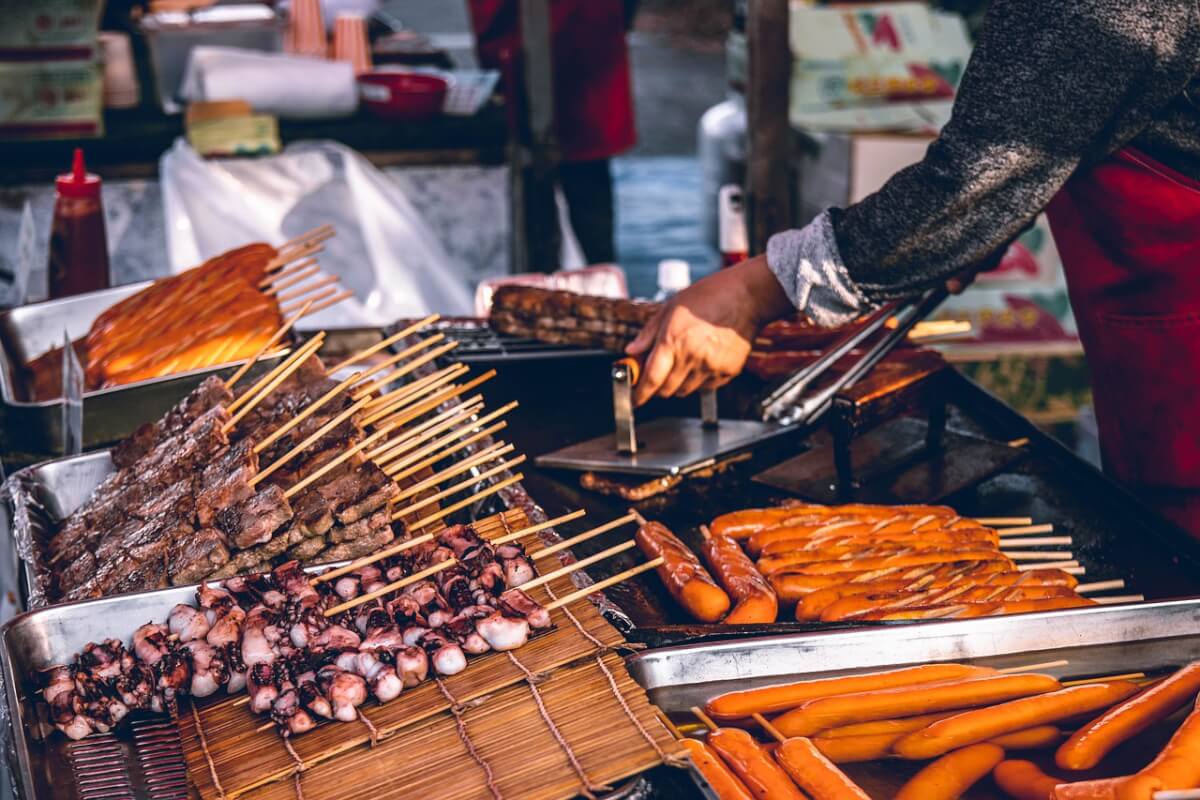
35,426
1097,641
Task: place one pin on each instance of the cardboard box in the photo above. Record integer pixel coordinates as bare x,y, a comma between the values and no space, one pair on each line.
58,28
51,100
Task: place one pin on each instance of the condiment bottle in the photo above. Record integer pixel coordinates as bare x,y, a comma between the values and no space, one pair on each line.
731,221
674,275
78,244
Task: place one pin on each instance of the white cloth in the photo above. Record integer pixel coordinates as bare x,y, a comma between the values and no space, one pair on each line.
287,86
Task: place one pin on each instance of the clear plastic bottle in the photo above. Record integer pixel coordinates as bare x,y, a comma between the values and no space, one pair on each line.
674,275
78,243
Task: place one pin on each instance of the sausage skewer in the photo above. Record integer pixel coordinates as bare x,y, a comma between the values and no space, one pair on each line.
811,770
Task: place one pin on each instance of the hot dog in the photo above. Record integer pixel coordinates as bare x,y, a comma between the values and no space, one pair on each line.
885,726
970,610
1038,738
1104,789
828,712
857,528
740,524
951,775
720,778
859,605
1178,765
963,538
683,574
773,699
764,778
815,774
980,725
1023,780
856,749
769,565
754,599
1088,745
791,586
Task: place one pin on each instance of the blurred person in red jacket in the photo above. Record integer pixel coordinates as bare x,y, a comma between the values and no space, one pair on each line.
593,109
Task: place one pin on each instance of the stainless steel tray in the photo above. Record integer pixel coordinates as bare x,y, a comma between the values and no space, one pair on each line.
108,414
1096,641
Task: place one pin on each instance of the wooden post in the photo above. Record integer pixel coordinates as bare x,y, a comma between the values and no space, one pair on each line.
768,172
537,213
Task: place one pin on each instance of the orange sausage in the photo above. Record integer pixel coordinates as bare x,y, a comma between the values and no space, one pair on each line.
946,538
1024,780
828,712
1104,789
856,749
982,724
683,574
816,774
882,726
1178,765
792,586
773,699
952,775
847,551
1091,743
772,564
740,524
972,610
1037,738
761,775
720,778
754,599
859,605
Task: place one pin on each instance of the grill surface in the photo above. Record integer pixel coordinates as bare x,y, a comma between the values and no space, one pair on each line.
143,761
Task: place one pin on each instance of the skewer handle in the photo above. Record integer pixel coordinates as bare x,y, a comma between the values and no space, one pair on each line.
391,587
605,584
583,537
541,526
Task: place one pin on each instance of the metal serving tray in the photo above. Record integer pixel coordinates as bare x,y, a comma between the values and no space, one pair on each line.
108,414
1096,641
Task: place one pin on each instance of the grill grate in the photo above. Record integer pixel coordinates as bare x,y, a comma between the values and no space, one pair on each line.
160,757
480,341
98,765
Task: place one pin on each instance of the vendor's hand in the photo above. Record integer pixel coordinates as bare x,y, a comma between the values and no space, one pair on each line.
701,338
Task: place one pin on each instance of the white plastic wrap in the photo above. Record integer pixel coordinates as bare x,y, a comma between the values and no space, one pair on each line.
384,251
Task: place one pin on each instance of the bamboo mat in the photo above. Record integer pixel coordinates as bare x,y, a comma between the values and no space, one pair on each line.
543,722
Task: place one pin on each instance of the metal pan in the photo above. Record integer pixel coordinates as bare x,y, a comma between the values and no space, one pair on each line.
31,426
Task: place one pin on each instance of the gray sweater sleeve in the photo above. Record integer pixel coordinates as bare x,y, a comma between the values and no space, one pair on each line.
1051,85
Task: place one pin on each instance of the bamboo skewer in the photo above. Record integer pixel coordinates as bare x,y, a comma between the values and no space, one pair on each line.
366,561
292,363
257,386
469,482
1125,676
581,564
1120,598
1069,567
1099,586
324,304
274,340
426,430
388,342
316,298
391,587
541,526
304,445
415,391
468,424
335,462
583,537
294,274
768,727
1026,529
1003,522
442,396
1038,555
397,474
482,457
292,254
308,288
1038,541
667,723
461,504
1062,662
407,352
605,584
319,233
705,718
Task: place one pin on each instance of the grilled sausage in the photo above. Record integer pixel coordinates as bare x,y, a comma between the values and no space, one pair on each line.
816,774
754,599
972,610
720,778
1178,765
791,586
863,604
769,565
952,775
764,778
683,574
1023,780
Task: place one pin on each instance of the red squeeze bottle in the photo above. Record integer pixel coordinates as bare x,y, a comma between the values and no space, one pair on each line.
78,244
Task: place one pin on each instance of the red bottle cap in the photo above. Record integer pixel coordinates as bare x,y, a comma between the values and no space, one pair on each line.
78,182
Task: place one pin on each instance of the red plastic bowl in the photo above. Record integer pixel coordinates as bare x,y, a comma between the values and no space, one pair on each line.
402,96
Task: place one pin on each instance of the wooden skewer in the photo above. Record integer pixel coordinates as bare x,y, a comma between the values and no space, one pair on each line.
1038,541
412,392
300,271
1100,586
1117,599
461,504
274,340
1003,522
322,232
257,386
335,462
705,718
304,445
1026,529
583,537
442,396
400,372
482,457
460,422
426,430
307,412
391,587
398,474
316,298
458,487
1126,676
324,304
408,352
1038,555
388,342
292,254
292,363
667,723
1033,667
1177,794
541,526
768,727
605,584
309,288
581,564
1069,567
365,561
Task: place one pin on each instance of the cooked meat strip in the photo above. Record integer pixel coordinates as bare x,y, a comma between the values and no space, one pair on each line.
254,520
209,394
375,489
360,528
225,481
197,555
362,546
307,548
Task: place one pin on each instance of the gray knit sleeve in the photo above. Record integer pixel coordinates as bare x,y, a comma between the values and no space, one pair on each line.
807,264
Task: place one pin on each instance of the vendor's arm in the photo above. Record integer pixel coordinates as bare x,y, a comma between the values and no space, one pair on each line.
1050,85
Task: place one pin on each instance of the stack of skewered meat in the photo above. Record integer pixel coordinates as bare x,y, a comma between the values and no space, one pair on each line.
218,312
192,500
561,317
965,721
283,639
863,562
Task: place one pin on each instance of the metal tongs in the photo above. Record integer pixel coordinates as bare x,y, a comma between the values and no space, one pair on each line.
786,406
